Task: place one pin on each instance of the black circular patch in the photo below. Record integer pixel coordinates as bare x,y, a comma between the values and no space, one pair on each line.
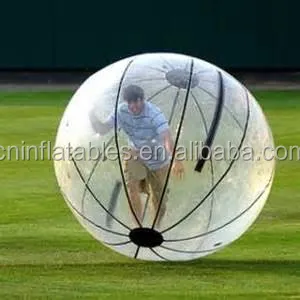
180,78
146,237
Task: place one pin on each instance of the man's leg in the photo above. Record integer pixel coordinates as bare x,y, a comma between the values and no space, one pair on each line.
133,187
135,173
157,180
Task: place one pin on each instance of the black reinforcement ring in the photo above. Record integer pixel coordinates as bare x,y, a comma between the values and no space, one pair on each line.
181,77
146,237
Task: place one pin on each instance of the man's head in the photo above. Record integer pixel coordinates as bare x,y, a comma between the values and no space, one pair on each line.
134,96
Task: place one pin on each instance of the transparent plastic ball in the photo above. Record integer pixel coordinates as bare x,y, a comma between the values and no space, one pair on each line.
215,135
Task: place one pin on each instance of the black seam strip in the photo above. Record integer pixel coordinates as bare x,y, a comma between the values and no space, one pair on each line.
92,173
90,221
213,128
224,174
117,144
113,201
210,159
206,80
225,107
175,144
190,252
200,111
148,79
157,254
229,222
145,208
174,106
203,71
212,196
168,63
137,252
156,69
95,198
118,244
160,113
158,92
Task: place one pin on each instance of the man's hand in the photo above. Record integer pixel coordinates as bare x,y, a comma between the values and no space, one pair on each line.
178,169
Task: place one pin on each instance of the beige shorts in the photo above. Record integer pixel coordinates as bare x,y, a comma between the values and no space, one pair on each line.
151,181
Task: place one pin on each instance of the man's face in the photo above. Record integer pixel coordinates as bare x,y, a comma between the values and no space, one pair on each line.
136,106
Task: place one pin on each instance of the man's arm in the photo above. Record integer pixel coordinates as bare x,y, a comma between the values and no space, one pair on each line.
168,141
177,167
101,127
163,129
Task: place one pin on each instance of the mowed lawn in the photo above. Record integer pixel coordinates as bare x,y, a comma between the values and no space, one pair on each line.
45,254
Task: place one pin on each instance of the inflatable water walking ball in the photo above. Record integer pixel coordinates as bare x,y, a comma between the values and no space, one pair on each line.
220,137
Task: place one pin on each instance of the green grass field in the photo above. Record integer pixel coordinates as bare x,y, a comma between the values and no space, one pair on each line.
45,254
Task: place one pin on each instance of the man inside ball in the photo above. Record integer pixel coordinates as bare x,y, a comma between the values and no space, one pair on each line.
146,161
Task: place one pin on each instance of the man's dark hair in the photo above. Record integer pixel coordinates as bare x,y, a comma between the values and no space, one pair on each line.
133,93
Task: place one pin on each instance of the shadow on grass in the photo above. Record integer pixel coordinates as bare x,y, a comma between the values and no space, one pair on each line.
197,267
